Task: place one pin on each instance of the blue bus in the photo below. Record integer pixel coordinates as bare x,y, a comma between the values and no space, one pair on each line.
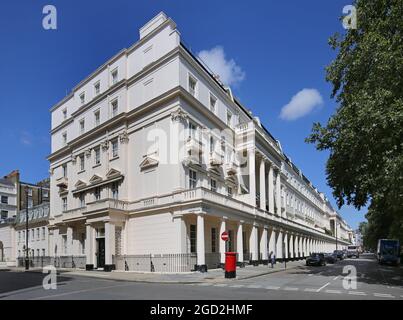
388,251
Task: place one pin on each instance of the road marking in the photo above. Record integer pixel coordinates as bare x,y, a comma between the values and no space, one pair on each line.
311,274
236,286
80,291
332,291
272,288
335,278
205,284
220,285
290,289
310,290
253,286
383,295
357,293
324,286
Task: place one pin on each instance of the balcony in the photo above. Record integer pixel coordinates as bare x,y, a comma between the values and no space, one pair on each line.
193,145
215,159
231,168
62,183
96,206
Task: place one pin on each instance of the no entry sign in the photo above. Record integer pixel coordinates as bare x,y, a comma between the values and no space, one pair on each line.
224,236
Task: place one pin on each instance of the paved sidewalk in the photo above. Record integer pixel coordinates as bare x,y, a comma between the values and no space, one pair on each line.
214,275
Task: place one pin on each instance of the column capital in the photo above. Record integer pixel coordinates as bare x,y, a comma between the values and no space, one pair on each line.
241,221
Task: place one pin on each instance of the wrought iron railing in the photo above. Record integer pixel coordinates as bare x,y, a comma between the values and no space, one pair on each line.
171,263
72,262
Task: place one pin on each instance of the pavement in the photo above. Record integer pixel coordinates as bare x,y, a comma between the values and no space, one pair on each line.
351,279
213,275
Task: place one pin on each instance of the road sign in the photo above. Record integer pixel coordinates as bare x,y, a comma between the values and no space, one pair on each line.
224,236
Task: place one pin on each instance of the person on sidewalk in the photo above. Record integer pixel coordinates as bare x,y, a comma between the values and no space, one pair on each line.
272,259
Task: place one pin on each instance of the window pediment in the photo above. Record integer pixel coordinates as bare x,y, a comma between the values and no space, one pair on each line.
113,173
148,162
95,179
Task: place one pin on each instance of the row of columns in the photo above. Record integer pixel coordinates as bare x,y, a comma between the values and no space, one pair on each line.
271,239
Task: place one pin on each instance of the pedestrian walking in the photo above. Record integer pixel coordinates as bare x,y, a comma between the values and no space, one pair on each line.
272,259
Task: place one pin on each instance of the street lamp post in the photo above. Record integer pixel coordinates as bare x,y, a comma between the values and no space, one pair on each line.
336,233
26,230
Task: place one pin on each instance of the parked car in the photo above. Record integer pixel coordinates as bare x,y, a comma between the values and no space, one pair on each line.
316,259
340,254
353,251
331,257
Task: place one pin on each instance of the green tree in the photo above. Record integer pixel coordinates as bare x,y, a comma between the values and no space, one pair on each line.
365,135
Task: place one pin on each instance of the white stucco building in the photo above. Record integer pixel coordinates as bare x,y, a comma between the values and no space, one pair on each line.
153,157
8,209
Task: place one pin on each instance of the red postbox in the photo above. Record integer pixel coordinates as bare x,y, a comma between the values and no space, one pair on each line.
230,264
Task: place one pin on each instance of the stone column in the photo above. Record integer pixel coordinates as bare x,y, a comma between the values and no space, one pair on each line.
223,227
201,258
271,189
252,176
272,241
69,241
109,245
263,245
262,182
291,242
253,244
239,242
285,253
278,191
279,245
88,247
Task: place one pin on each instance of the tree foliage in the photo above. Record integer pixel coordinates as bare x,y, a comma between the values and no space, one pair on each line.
365,135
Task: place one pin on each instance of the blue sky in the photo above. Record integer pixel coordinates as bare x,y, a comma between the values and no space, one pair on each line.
275,48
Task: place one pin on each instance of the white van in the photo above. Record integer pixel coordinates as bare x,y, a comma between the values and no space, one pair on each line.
353,251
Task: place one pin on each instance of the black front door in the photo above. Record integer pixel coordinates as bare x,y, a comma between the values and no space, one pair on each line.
101,253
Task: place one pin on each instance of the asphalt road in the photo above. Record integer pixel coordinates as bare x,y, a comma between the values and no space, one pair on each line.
328,282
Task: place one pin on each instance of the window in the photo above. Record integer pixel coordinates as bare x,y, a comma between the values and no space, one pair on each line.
64,112
213,185
97,117
82,243
115,107
192,130
64,242
33,234
43,252
82,200
114,75
192,179
97,151
97,88
64,204
213,240
64,169
82,126
64,138
4,199
230,240
115,148
4,214
23,233
192,238
229,191
82,98
192,85
82,162
212,144
213,103
43,234
229,118
97,193
115,190
19,236
38,235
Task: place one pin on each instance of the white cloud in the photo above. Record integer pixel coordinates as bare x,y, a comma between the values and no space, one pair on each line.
229,72
26,138
304,102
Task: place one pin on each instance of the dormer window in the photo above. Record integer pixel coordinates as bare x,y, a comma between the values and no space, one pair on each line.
64,138
192,85
82,98
82,126
97,88
213,103
114,75
115,107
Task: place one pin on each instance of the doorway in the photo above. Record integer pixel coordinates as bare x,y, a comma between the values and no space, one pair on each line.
100,252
